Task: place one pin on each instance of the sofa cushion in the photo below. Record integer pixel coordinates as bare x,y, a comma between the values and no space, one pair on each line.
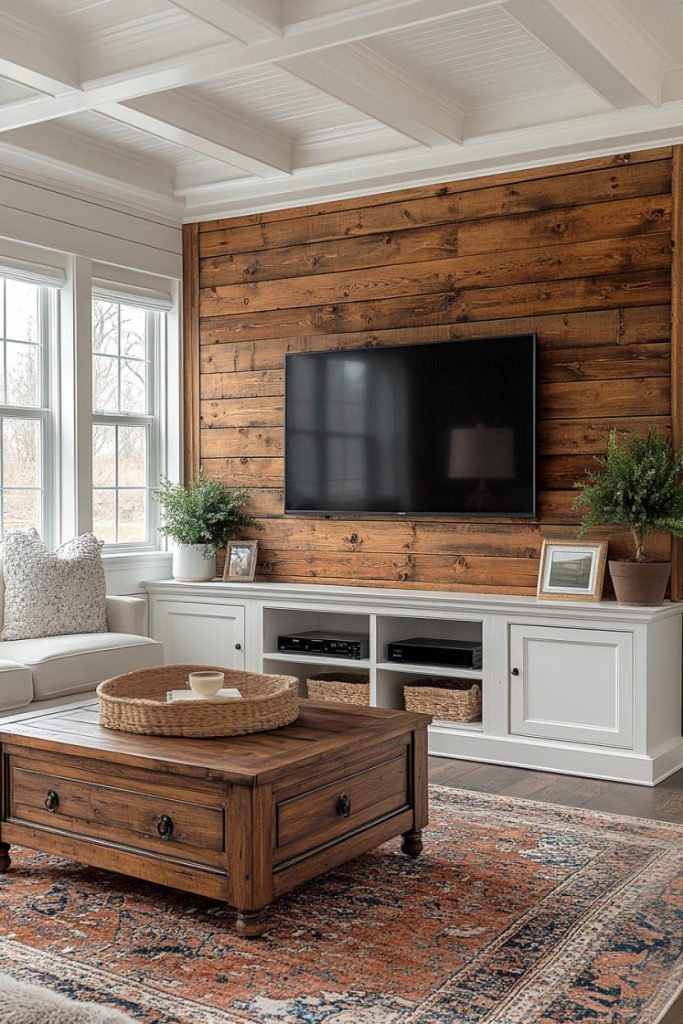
52,593
61,665
16,685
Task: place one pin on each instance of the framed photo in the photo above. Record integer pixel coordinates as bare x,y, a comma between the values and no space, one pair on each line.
571,570
240,561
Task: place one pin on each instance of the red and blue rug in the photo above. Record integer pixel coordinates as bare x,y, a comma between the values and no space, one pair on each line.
517,913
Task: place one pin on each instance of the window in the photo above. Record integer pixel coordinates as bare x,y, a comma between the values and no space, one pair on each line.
126,342
27,320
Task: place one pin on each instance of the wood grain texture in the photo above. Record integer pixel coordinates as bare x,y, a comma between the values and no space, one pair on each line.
191,351
677,346
579,253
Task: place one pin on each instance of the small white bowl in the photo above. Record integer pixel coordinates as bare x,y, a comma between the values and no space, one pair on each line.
206,684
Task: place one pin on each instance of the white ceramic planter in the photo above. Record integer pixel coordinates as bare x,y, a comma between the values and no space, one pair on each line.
192,563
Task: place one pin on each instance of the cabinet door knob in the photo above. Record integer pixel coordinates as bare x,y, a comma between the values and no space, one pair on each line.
165,827
515,672
238,647
344,805
51,801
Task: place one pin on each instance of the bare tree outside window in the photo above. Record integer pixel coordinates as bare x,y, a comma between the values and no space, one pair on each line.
23,330
123,419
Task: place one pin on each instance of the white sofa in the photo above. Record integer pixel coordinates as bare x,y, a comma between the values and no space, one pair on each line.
59,666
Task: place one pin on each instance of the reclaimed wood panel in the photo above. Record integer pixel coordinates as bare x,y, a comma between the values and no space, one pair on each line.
579,253
191,349
581,330
584,259
396,238
613,291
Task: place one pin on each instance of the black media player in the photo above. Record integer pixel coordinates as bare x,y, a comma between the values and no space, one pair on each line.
424,650
354,646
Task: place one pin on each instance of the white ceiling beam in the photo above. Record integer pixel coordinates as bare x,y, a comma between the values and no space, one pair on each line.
598,42
218,61
250,22
191,123
59,146
365,81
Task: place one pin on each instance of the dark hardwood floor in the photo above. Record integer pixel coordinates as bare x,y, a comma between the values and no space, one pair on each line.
663,802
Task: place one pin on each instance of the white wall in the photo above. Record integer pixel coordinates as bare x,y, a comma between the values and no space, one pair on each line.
55,219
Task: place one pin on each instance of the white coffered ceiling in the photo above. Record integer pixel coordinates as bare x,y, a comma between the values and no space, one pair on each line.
198,108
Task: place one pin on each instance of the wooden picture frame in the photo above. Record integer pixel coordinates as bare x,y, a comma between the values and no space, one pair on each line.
571,570
240,561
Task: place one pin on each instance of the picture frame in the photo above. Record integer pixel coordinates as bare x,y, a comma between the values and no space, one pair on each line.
240,561
571,570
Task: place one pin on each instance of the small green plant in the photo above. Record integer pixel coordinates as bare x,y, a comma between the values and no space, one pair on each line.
204,512
637,486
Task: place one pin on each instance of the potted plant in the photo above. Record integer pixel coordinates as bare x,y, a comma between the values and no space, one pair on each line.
637,486
200,517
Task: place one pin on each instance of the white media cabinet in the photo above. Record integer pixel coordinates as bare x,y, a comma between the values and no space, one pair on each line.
585,689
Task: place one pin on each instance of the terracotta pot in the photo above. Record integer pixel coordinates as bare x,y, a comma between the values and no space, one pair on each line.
640,583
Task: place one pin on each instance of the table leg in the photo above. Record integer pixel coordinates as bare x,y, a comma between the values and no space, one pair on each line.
5,859
412,843
251,923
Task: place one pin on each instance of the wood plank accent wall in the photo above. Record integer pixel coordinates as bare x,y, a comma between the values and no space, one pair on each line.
579,253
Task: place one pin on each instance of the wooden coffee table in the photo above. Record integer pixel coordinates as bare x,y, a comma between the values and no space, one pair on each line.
241,820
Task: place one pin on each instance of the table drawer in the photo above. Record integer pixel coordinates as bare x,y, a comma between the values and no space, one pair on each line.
93,807
319,815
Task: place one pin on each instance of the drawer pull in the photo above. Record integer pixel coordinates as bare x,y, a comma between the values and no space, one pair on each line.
51,801
165,827
344,805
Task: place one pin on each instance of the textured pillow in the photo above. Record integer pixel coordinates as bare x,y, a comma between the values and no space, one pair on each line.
27,1004
52,593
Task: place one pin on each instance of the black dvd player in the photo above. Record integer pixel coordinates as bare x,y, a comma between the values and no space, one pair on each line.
333,645
424,650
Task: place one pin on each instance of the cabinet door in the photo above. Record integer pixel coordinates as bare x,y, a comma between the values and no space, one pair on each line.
200,633
572,684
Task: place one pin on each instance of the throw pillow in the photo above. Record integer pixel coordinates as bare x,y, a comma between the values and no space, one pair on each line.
52,593
28,1004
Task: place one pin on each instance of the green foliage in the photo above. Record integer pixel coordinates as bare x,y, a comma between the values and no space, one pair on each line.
637,486
205,512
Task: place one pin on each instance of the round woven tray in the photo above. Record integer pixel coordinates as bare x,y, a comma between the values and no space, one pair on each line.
136,702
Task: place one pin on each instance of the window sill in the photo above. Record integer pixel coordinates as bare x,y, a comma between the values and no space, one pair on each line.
125,570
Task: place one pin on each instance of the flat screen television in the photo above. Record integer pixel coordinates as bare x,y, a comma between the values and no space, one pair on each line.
447,428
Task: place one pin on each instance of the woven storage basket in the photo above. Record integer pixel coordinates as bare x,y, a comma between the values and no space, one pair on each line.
343,687
453,700
136,702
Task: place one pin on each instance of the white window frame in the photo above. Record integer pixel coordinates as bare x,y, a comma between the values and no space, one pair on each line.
154,421
66,411
45,413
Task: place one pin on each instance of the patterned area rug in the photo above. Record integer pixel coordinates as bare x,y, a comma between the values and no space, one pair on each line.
517,913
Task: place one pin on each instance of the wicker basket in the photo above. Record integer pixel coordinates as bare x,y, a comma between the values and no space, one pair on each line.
453,700
343,687
136,702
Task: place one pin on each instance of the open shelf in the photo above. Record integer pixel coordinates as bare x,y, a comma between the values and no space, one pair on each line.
302,667
387,678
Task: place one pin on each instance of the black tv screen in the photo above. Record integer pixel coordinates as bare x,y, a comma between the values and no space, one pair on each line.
416,430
